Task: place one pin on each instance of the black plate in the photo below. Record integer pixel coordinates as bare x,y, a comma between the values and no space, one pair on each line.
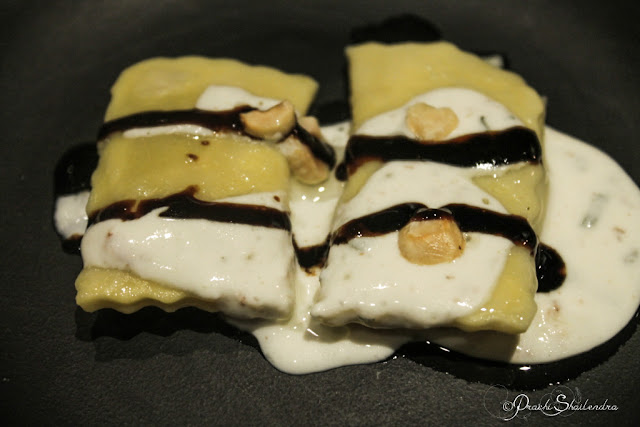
58,61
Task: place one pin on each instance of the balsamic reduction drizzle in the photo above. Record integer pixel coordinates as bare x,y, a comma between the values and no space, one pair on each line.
311,256
512,227
377,223
73,170
216,121
73,175
184,206
468,218
550,269
494,148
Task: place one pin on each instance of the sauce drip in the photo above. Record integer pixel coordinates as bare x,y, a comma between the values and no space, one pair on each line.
73,170
73,175
311,256
550,269
493,148
184,206
215,121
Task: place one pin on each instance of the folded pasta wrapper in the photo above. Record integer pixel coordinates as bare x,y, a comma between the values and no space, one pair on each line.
175,214
366,280
177,83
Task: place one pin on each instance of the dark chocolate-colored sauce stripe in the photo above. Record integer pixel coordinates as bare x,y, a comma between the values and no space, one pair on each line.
512,227
184,206
377,223
320,149
550,269
73,170
311,256
494,148
216,121
468,218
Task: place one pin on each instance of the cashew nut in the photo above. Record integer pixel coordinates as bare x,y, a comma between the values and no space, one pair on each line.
429,123
432,241
304,166
271,124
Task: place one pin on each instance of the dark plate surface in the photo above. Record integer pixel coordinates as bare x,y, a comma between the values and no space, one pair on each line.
61,365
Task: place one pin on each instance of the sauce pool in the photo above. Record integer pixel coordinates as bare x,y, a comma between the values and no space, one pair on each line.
593,223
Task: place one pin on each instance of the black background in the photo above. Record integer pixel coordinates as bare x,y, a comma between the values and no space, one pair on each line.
58,60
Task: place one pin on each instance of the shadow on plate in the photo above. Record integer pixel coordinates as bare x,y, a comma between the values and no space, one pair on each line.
143,334
515,377
156,325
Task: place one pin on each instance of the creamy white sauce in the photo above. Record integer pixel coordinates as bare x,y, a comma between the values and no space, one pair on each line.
167,130
431,183
593,221
70,216
301,345
214,98
313,207
221,98
476,113
245,267
337,135
602,290
368,278
312,220
596,301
